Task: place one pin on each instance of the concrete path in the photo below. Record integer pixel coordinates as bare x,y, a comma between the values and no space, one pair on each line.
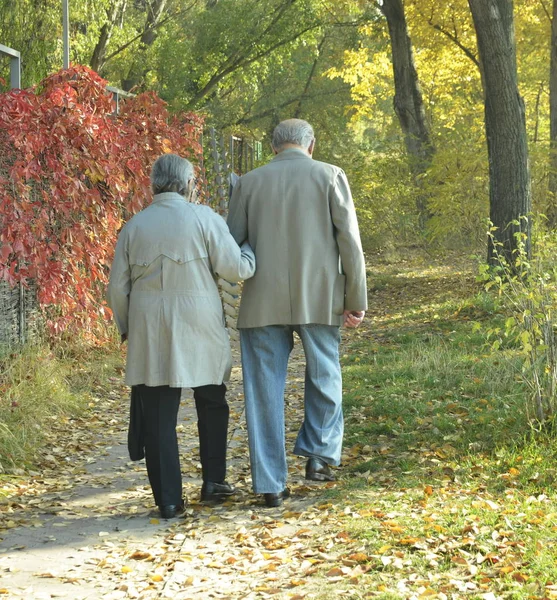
85,526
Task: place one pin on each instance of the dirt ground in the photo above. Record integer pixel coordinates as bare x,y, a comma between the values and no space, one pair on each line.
85,527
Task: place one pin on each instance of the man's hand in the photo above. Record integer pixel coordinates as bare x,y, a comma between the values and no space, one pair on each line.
353,318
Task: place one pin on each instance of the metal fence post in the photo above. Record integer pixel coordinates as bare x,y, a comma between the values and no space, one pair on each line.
15,66
15,83
66,30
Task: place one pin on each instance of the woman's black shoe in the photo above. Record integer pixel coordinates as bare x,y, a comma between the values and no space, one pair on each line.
216,492
171,510
272,500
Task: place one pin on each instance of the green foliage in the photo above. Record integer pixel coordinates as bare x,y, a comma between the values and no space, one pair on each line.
247,64
527,290
385,198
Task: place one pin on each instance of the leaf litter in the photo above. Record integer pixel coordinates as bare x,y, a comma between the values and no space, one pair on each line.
83,525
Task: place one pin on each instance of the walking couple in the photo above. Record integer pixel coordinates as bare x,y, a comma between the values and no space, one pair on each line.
293,236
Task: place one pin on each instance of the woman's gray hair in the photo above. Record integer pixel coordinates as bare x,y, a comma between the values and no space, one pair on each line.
292,131
171,173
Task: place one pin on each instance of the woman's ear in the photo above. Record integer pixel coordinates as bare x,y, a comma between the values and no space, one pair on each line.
192,190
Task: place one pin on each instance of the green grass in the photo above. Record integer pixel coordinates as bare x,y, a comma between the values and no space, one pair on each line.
40,386
438,444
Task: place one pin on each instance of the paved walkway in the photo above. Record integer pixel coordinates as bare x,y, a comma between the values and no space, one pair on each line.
84,527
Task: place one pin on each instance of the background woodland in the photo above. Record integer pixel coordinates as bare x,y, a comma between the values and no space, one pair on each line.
247,64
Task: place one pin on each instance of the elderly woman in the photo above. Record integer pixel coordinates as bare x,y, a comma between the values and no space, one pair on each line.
166,303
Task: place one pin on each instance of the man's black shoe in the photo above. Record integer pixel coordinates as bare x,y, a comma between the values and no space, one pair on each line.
318,470
216,492
272,500
171,510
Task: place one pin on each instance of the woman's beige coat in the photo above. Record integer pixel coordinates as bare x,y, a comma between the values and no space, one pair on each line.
164,295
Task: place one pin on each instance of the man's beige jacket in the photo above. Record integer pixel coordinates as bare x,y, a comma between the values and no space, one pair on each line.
298,216
163,293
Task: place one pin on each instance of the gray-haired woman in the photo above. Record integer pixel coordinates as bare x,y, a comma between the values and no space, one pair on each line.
166,303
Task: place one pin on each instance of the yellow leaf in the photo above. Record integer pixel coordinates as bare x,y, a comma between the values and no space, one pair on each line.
359,557
127,569
138,555
154,521
157,578
409,541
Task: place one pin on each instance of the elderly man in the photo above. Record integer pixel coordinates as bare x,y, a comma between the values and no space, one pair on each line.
298,216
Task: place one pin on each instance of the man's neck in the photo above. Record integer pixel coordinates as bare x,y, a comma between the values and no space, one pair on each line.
292,147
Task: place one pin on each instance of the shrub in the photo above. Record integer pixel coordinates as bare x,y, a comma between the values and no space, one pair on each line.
72,172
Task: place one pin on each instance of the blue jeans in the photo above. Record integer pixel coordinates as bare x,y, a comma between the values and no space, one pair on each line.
265,352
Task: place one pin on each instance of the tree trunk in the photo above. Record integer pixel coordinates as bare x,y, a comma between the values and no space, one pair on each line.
138,70
552,208
408,100
98,57
505,126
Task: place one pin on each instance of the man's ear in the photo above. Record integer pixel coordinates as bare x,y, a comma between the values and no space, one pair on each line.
311,147
273,149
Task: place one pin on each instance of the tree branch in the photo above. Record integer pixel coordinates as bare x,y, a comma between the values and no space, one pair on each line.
298,110
269,111
153,28
456,41
243,62
545,10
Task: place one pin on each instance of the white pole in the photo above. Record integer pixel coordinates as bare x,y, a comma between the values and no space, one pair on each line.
66,23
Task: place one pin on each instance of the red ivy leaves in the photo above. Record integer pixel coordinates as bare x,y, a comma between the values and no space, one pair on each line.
70,173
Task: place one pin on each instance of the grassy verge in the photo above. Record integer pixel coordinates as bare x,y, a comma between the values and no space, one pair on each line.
41,388
447,488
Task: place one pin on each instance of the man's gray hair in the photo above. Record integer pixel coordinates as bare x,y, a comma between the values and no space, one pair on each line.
171,173
292,131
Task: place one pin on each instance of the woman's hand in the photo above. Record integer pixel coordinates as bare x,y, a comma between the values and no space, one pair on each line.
353,318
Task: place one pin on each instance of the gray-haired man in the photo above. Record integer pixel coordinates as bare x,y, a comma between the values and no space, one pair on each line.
298,216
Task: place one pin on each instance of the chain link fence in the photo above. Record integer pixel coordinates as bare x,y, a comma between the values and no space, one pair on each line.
224,159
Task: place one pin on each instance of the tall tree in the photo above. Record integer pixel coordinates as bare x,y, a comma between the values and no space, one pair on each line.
408,100
99,53
155,13
552,209
509,175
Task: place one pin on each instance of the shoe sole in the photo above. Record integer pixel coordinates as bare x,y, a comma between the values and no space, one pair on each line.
274,504
278,501
216,497
320,477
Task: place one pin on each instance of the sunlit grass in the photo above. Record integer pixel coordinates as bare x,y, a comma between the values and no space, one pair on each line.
39,386
438,448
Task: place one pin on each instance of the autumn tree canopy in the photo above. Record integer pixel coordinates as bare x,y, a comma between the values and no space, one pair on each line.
246,64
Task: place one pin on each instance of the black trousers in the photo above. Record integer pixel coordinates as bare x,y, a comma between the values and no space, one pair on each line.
159,407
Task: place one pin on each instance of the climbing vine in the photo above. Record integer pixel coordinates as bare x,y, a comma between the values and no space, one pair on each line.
71,172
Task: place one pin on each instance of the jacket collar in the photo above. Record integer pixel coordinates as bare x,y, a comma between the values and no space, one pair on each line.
167,196
291,154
